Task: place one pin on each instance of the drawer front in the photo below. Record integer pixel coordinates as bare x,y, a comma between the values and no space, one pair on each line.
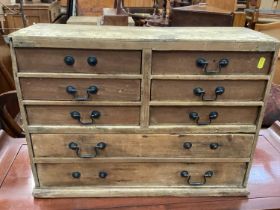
136,145
188,63
82,115
199,90
201,115
80,89
79,61
135,174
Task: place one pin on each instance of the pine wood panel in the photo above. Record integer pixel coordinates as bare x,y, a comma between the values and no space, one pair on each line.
131,174
226,115
156,38
52,60
55,89
60,115
164,129
185,62
137,145
174,90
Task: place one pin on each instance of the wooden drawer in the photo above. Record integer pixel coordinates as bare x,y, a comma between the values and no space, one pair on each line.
102,61
185,63
224,115
137,145
135,174
89,115
80,89
198,90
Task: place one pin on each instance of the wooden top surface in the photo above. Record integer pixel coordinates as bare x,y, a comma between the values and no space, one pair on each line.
192,38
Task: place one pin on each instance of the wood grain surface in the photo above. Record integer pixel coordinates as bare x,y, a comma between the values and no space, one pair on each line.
137,145
226,115
52,60
55,89
157,38
184,63
133,174
60,115
174,90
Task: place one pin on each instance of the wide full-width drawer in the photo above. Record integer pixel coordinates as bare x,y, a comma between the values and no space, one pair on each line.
203,115
141,174
201,90
80,89
78,61
137,145
83,115
195,63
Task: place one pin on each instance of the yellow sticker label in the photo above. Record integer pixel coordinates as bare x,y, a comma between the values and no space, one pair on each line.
261,62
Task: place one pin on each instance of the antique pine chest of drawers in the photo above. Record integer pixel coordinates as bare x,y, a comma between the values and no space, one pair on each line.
124,111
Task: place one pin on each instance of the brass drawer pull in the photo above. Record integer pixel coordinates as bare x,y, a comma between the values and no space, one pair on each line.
195,117
76,175
202,63
100,146
212,146
103,174
94,115
92,61
201,93
69,60
73,91
207,174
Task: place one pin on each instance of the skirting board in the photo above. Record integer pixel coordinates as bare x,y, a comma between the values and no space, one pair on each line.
55,192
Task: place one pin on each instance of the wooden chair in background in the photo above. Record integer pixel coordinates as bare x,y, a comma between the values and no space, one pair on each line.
9,114
6,75
8,99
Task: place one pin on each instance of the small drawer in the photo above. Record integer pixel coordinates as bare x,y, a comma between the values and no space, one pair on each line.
80,89
83,115
200,90
78,61
142,174
137,145
206,115
220,63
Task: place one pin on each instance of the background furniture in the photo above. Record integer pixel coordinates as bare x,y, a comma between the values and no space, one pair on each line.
200,15
272,112
35,12
6,73
228,5
96,129
95,7
9,109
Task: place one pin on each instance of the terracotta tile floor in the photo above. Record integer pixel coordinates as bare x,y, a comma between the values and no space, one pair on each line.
17,183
